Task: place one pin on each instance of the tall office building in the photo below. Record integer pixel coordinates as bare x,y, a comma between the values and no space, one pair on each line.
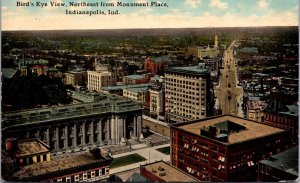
187,93
96,79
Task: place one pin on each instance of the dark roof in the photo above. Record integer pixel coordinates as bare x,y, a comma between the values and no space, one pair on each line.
249,50
293,110
136,177
286,160
8,72
161,59
275,106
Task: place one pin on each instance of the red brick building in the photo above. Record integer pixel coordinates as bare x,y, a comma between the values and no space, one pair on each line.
224,148
153,65
135,79
279,115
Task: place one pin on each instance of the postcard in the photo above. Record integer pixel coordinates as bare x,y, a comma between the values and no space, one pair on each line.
149,90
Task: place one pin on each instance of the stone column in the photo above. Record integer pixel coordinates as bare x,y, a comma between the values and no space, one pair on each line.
66,137
92,133
27,134
37,134
83,134
100,132
120,130
139,127
116,129
108,129
134,127
113,129
124,128
57,137
74,144
48,137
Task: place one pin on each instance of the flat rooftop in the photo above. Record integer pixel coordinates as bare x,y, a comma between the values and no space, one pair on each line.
247,129
32,147
136,90
135,76
121,87
200,69
172,174
47,167
286,161
109,104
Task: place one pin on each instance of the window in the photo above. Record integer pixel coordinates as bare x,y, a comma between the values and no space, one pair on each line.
84,176
44,157
76,178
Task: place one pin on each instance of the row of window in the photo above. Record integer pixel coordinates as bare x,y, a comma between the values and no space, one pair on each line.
177,87
285,121
183,81
86,176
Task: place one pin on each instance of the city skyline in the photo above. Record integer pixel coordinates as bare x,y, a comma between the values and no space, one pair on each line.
179,14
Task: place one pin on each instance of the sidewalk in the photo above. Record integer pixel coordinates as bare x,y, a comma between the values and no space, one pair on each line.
150,153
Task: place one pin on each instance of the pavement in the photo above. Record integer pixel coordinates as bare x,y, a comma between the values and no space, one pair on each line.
149,153
228,92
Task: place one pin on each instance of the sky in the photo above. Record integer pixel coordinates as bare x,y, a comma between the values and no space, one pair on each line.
177,14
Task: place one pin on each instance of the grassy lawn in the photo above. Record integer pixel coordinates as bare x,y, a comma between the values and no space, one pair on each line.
164,150
126,160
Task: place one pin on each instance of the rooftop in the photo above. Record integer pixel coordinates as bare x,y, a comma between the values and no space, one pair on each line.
61,164
237,129
111,104
137,89
293,110
193,70
135,76
121,87
249,50
172,174
8,72
84,96
36,62
32,147
286,160
161,59
100,73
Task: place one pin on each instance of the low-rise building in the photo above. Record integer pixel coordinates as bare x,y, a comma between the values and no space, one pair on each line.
157,101
247,53
89,166
280,167
164,172
96,79
32,151
118,90
255,109
205,51
135,79
76,78
155,65
137,94
279,115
